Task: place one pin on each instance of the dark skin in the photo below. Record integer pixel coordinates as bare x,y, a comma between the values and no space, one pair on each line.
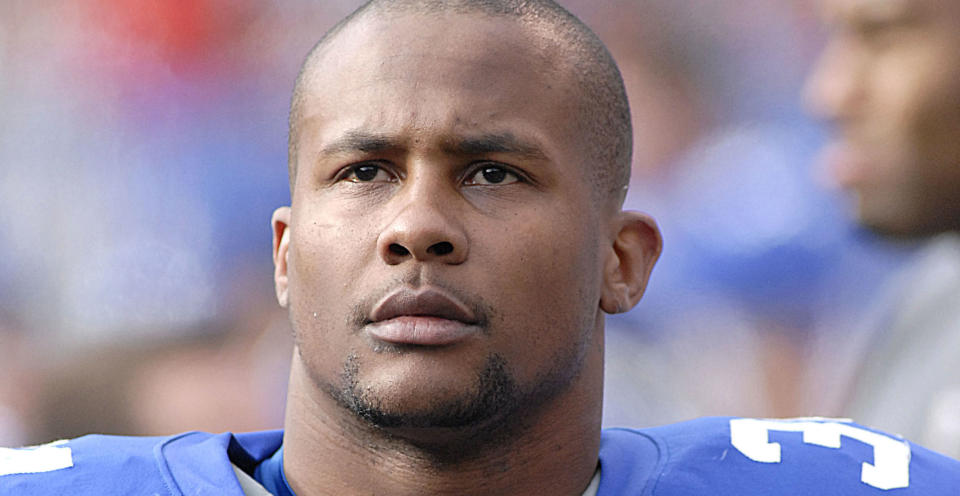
440,158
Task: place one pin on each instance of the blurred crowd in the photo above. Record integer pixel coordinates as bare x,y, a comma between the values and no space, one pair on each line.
143,148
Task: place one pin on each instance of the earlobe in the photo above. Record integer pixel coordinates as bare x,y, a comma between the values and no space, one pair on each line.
281,253
630,260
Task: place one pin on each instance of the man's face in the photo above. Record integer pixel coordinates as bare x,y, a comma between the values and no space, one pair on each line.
889,79
444,255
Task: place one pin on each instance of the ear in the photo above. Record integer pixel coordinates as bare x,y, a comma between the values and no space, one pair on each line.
630,260
281,252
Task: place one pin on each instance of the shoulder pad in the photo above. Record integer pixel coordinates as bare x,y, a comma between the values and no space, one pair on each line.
92,464
727,456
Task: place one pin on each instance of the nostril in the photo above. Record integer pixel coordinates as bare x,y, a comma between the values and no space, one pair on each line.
441,248
398,250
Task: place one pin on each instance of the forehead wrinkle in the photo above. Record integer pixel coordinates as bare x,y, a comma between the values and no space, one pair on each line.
472,70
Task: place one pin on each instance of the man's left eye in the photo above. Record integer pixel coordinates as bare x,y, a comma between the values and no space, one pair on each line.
492,174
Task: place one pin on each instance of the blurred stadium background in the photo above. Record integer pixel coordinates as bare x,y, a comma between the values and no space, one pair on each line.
143,149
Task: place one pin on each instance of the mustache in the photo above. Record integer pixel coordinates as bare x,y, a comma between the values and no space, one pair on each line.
360,315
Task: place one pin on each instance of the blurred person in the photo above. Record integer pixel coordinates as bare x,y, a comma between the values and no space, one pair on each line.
211,380
454,239
17,381
722,153
888,81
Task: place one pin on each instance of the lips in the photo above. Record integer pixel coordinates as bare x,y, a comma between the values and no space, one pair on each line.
425,317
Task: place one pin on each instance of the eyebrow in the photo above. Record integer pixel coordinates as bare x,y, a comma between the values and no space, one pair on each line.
506,143
494,143
359,141
870,12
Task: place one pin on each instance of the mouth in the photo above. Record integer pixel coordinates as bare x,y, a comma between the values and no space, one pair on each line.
424,317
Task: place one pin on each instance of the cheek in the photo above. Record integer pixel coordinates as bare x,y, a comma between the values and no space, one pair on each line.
327,261
316,266
918,93
937,122
329,249
556,249
547,297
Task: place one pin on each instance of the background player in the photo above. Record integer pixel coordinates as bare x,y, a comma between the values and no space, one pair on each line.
889,82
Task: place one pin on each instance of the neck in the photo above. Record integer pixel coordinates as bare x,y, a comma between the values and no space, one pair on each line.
328,450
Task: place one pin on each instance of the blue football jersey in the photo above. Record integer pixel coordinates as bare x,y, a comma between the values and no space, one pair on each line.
752,457
711,456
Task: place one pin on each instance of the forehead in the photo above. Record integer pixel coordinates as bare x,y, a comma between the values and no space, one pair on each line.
475,39
438,71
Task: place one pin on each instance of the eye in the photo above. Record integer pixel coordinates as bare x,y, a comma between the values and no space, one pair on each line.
886,31
367,173
491,174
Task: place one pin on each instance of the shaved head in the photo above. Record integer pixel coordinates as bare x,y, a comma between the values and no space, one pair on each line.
453,241
602,115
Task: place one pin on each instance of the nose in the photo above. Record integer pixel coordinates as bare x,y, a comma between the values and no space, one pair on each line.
424,230
834,89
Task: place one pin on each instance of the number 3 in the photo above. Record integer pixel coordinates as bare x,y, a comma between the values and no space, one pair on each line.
891,457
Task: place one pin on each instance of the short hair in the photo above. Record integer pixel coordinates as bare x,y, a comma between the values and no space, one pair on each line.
604,113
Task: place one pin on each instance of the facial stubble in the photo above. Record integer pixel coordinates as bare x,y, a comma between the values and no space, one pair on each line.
485,414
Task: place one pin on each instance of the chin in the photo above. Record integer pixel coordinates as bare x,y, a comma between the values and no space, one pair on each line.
421,403
900,227
889,214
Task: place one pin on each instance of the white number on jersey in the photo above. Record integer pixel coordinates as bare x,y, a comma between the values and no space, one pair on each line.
891,457
36,459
